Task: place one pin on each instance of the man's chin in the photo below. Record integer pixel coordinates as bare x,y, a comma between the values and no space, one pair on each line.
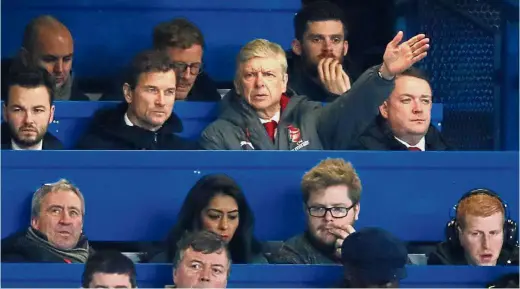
28,142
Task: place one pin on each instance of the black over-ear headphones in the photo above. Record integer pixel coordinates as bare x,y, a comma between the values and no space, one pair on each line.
510,226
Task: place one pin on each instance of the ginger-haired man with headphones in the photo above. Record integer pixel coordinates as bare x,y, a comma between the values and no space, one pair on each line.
481,233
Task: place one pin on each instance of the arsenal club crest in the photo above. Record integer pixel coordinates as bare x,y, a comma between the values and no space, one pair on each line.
294,134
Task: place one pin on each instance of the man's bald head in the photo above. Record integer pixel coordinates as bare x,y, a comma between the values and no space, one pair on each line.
48,43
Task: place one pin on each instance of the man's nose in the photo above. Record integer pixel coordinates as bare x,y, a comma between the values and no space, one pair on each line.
205,275
328,216
485,241
186,74
28,118
65,218
160,100
259,81
417,106
58,66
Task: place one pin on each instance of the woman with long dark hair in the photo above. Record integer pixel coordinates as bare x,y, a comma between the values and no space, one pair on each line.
216,203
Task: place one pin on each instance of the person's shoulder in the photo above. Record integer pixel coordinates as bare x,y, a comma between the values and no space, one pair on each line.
445,254
51,142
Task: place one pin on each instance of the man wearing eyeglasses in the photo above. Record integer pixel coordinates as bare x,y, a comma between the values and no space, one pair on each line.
184,44
331,193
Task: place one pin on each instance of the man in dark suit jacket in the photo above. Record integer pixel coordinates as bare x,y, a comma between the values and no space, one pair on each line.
28,110
404,122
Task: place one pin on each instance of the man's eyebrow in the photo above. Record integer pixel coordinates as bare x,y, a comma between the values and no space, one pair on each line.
218,265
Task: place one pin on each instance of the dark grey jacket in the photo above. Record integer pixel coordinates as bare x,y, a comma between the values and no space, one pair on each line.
304,124
301,250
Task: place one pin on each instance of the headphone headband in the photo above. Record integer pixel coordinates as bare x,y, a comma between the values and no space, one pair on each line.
510,226
483,191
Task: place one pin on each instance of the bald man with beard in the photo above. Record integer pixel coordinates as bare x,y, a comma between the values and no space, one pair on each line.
48,43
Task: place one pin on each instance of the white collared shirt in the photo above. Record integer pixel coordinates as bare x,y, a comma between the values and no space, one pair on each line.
276,118
421,144
38,147
127,120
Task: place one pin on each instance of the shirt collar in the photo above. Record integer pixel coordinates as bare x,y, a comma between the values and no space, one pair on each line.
421,144
127,120
16,147
276,118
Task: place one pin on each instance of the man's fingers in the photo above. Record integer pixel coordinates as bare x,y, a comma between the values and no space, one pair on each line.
320,70
347,228
334,70
326,69
339,243
420,45
398,37
340,233
415,39
338,72
421,50
419,57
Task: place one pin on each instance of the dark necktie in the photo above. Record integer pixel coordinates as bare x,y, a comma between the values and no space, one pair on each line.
415,149
270,127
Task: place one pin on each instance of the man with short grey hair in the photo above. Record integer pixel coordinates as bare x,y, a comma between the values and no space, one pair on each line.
202,261
56,230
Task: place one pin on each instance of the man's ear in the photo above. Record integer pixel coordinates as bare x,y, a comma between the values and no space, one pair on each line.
296,47
357,208
35,224
51,117
383,109
345,47
285,78
127,92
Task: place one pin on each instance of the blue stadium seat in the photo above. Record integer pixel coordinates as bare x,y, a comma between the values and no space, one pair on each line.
135,195
254,276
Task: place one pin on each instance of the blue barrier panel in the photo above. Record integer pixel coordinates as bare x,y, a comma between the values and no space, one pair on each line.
254,276
108,33
72,117
135,195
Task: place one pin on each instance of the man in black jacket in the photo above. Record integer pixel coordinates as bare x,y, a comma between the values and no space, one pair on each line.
480,234
184,43
146,120
316,61
28,110
404,122
56,231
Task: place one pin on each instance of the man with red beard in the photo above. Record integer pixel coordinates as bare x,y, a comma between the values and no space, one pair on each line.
316,68
48,43
28,110
261,114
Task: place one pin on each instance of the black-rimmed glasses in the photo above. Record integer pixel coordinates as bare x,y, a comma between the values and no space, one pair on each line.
195,68
336,212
